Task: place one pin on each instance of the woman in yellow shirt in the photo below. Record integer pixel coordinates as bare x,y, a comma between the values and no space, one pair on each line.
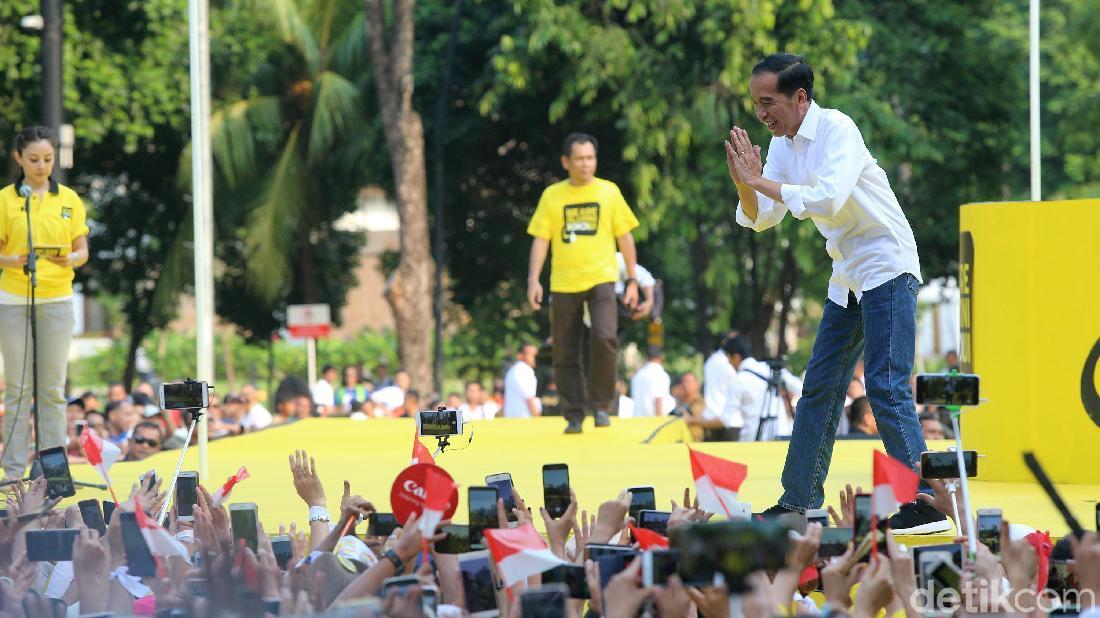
60,236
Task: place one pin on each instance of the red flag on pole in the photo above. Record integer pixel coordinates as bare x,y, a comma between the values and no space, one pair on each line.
99,453
222,492
421,454
520,553
717,481
894,484
647,538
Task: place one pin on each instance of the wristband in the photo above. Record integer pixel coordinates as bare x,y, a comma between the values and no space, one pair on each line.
398,564
629,281
319,513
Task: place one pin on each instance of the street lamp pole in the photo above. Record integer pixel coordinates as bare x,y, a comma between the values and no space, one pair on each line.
52,42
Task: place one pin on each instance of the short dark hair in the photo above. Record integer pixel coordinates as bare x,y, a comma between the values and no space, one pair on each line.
859,407
578,138
112,406
792,71
737,345
327,368
927,416
30,135
473,383
151,425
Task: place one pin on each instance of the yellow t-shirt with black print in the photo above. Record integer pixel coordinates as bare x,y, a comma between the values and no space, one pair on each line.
582,224
57,219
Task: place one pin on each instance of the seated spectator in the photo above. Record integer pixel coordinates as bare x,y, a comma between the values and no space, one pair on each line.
393,396
650,388
147,389
353,392
146,441
292,400
931,426
91,402
691,396
477,406
454,402
121,418
861,419
256,415
97,423
725,424
521,385
409,407
324,391
117,392
626,404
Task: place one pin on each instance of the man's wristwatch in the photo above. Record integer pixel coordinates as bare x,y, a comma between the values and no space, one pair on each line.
629,281
398,564
319,513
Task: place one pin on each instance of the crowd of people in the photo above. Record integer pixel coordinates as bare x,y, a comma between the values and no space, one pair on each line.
338,568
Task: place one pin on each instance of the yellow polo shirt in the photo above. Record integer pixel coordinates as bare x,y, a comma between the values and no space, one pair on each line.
57,219
582,224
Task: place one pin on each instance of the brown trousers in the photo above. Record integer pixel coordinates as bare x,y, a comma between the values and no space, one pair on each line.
579,395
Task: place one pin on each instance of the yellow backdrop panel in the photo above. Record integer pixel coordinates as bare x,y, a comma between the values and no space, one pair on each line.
1030,280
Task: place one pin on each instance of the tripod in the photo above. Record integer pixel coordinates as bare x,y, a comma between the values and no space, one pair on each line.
773,393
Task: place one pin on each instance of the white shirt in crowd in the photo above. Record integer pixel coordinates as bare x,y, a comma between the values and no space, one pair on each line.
753,375
716,372
829,176
644,277
626,407
257,417
650,383
389,397
483,412
520,384
323,393
733,397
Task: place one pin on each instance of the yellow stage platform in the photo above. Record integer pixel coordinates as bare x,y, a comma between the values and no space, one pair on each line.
601,463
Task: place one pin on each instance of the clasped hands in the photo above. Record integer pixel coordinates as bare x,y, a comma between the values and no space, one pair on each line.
743,158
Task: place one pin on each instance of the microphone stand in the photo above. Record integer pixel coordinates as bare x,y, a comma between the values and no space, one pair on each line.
31,269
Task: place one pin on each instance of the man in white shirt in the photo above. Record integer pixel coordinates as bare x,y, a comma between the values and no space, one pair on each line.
715,371
755,376
257,416
651,386
392,397
724,423
324,391
477,406
819,168
521,385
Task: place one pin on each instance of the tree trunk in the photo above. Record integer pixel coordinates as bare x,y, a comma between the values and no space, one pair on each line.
700,262
409,291
139,320
788,280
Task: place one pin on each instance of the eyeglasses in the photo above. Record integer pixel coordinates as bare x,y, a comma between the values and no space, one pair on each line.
143,440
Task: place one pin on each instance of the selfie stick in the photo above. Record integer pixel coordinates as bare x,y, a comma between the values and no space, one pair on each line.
971,534
952,486
196,413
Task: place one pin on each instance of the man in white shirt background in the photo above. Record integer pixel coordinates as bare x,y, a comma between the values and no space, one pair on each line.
725,422
391,397
650,388
478,407
324,391
521,385
768,407
819,168
715,370
257,416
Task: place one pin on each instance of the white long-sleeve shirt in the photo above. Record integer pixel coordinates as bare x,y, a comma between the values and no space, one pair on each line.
715,371
830,177
753,376
650,383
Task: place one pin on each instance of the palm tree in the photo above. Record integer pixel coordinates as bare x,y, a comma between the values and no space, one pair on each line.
285,165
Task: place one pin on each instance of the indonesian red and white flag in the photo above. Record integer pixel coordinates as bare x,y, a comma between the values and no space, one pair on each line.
438,488
222,493
520,553
421,454
717,482
99,453
160,541
895,484
648,539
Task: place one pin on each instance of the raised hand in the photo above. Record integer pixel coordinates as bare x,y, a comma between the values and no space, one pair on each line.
742,157
306,481
847,516
611,518
876,589
557,530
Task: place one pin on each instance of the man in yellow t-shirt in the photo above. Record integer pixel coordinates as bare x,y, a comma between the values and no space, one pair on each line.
583,218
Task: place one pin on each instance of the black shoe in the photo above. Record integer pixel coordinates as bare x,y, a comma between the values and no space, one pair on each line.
775,511
574,426
918,517
602,419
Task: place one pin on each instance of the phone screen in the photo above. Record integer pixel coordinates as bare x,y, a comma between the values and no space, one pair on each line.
862,525
595,551
947,389
381,524
108,510
503,484
555,489
945,464
51,545
989,531
138,557
92,516
55,467
477,583
283,550
186,494
244,520
572,576
184,395
834,542
457,540
656,521
641,498
661,565
732,548
545,602
483,513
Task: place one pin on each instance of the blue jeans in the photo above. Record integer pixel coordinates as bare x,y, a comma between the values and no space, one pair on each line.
882,327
